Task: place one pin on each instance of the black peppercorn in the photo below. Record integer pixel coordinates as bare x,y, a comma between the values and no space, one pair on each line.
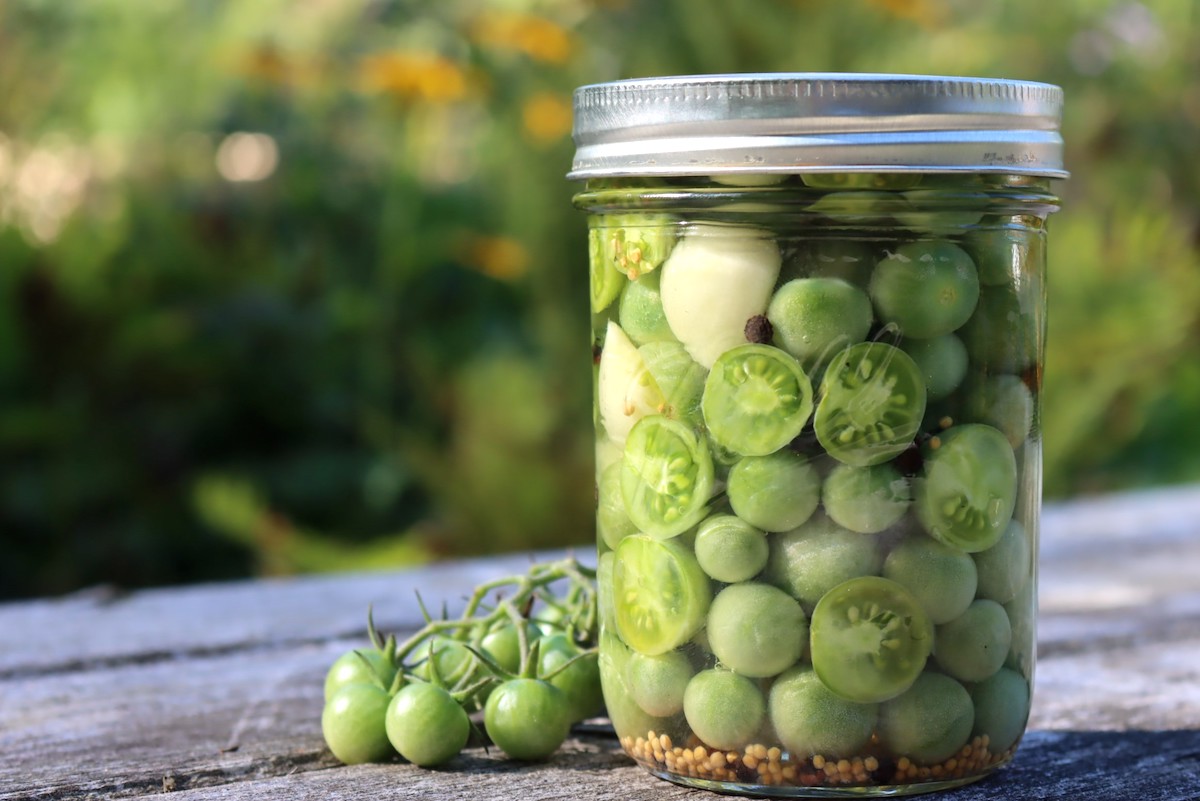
759,330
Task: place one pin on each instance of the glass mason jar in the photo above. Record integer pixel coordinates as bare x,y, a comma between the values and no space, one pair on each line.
818,309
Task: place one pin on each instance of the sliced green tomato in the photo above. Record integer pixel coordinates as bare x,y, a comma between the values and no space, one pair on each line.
872,403
625,389
606,279
666,478
660,595
612,521
968,489
870,639
635,244
679,378
756,399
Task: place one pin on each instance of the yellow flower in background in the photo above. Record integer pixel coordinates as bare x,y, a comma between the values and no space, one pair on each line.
499,257
537,37
546,116
266,62
414,76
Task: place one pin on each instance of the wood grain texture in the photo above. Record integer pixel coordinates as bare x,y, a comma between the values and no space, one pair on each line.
214,692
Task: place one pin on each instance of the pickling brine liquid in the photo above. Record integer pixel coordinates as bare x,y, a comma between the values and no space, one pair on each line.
818,474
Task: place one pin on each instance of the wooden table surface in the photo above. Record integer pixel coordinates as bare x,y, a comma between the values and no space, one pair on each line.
215,691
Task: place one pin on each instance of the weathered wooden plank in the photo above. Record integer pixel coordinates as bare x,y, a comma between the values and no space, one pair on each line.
1139,686
118,730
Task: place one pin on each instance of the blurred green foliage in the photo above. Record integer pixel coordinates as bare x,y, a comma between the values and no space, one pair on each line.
291,286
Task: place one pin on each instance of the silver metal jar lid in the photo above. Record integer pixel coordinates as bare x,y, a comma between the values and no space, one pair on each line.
816,122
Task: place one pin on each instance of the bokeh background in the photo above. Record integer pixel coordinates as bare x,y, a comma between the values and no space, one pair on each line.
296,285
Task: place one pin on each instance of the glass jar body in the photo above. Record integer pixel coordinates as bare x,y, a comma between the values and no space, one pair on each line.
818,474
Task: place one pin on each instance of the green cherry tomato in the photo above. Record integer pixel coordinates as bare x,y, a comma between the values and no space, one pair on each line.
660,594
353,723
811,720
426,725
870,639
657,683
621,694
814,318
349,668
756,630
503,644
527,718
1005,568
1001,708
926,289
929,722
968,490
975,644
866,499
776,492
580,682
1003,402
756,399
666,476
872,403
724,710
811,560
1006,330
942,578
942,362
452,659
1003,254
729,549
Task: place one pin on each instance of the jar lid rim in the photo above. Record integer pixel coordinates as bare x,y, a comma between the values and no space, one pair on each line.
816,122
